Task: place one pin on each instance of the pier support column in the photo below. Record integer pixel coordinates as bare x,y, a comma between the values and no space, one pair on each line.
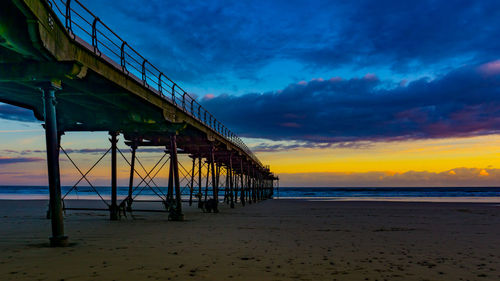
249,186
200,204
207,182
226,188
192,182
236,187
113,208
58,238
242,187
217,174
176,214
254,186
131,179
261,188
214,182
170,187
231,183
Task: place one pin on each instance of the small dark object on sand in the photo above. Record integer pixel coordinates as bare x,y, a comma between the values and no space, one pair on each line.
122,209
210,205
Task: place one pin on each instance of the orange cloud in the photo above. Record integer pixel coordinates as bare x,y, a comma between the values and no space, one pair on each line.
484,173
454,177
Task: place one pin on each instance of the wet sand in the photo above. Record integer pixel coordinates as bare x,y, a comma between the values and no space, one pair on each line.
271,240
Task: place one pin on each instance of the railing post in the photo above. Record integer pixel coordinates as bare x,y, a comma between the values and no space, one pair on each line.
58,238
160,86
184,101
94,35
144,71
173,93
122,56
68,16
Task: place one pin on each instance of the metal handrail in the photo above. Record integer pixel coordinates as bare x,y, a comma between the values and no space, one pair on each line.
142,68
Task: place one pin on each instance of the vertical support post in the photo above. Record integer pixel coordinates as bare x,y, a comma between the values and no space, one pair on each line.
113,208
259,185
267,192
231,194
200,204
131,179
217,173
271,188
249,185
226,188
265,185
278,183
170,188
254,186
58,238
214,182
192,182
208,179
242,189
236,187
176,213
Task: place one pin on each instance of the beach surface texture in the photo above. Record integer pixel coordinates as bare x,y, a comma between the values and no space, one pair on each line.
270,240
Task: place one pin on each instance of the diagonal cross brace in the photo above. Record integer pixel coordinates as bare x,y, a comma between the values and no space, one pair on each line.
84,176
143,179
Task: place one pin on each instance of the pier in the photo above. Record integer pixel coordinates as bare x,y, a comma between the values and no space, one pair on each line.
76,74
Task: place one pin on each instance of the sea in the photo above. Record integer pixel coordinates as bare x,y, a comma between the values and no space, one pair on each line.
414,194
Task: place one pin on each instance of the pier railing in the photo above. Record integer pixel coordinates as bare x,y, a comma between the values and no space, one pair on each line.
88,30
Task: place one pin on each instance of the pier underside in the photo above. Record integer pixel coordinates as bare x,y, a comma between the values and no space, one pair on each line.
74,85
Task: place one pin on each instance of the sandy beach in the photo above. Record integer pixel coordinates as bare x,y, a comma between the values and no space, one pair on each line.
271,240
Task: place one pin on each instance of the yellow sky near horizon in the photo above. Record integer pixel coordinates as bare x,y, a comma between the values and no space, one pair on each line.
435,155
390,158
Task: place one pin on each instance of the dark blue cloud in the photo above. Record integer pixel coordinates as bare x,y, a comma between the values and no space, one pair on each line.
270,147
11,112
12,160
464,102
197,40
405,35
82,150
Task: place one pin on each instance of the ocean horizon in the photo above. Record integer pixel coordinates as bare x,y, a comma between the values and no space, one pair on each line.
431,194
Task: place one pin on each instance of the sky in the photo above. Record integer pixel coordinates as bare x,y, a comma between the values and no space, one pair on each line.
328,93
